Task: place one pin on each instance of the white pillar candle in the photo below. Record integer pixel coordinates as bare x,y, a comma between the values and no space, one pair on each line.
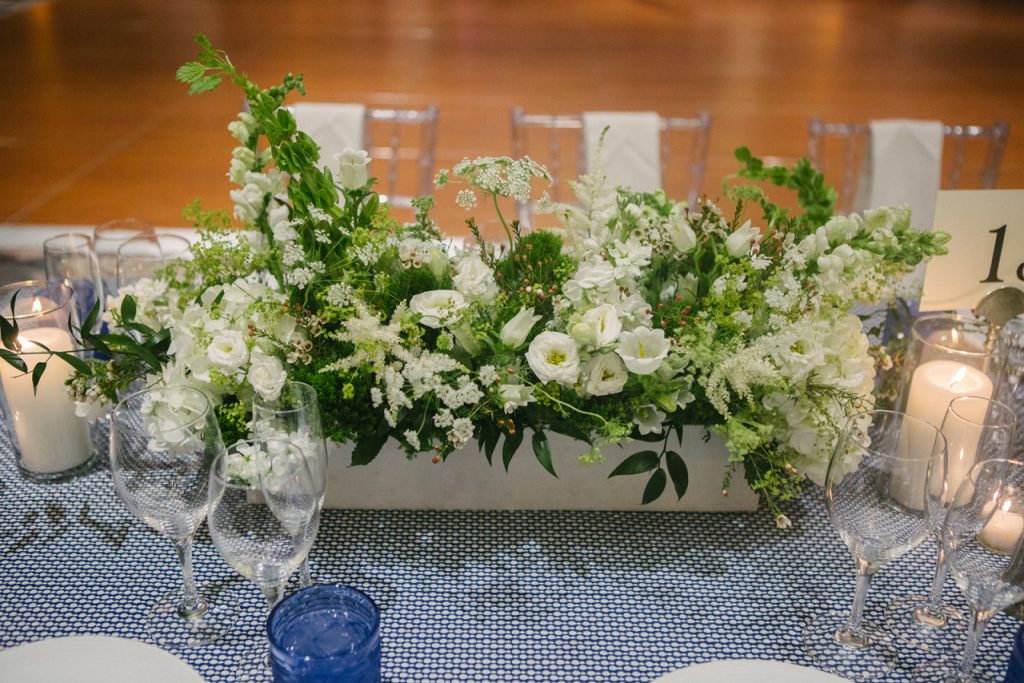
933,385
1003,531
51,437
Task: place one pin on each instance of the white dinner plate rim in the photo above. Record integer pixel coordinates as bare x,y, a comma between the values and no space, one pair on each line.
776,672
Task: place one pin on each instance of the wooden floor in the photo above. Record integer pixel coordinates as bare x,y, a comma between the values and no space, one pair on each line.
93,125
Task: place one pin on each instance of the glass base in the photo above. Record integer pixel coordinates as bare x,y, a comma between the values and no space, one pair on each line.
63,475
945,671
906,618
171,631
254,665
864,659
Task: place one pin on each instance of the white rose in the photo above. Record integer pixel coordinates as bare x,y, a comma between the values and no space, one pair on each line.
643,349
353,168
437,306
228,352
682,235
648,419
515,396
605,322
267,375
605,375
738,243
554,356
474,279
515,331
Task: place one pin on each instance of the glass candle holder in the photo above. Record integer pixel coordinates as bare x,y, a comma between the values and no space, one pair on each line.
107,239
325,633
144,256
50,441
71,259
949,356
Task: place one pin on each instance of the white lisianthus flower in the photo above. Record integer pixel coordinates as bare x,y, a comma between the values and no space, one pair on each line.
353,168
228,352
739,242
515,331
604,320
553,356
684,239
643,349
605,374
266,375
437,306
648,419
474,279
515,396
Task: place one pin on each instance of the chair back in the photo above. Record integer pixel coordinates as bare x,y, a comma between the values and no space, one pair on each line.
403,146
971,156
556,141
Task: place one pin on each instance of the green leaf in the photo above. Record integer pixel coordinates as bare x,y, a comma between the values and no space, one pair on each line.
542,449
655,486
94,314
644,461
190,72
509,448
9,328
204,84
14,360
368,448
74,361
37,374
128,308
678,472
490,442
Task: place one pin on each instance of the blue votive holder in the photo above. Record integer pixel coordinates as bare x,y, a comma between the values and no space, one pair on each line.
325,633
1015,670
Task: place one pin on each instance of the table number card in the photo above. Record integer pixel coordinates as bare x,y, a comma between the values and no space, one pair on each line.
986,251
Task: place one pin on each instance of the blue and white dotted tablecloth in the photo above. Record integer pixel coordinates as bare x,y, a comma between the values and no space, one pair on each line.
473,596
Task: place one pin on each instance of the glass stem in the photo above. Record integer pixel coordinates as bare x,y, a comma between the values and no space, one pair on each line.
305,577
979,620
852,635
935,594
191,604
273,593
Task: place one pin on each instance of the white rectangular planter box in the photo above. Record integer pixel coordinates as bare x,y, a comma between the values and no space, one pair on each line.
466,482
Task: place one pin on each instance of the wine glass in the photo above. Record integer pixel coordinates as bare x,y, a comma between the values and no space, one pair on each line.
145,255
108,237
881,468
295,416
264,515
981,538
162,443
976,429
71,259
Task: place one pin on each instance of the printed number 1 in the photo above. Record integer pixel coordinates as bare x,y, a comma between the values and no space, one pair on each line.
997,253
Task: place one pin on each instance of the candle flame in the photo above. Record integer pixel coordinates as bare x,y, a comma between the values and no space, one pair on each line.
37,305
958,377
955,335
1007,504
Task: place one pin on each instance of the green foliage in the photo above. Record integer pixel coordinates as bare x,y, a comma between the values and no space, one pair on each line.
233,417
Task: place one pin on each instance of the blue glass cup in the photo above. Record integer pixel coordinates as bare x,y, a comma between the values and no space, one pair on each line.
325,633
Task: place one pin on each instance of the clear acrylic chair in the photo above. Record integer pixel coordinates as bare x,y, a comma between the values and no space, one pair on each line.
556,141
971,156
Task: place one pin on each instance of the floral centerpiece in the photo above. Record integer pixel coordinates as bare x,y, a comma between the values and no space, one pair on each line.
639,315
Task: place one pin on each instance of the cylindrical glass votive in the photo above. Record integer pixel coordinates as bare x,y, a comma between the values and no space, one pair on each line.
325,633
71,259
108,238
50,441
949,356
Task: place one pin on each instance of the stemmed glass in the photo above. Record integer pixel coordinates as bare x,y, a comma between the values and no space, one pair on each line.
107,239
163,441
976,429
142,256
264,515
881,467
982,541
70,259
295,416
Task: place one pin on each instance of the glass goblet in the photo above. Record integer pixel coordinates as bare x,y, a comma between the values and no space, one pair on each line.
982,539
264,515
976,429
875,492
162,442
295,416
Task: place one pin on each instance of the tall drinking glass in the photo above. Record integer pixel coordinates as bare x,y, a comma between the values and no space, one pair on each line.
976,429
70,259
295,416
981,538
163,442
143,256
107,239
264,515
881,468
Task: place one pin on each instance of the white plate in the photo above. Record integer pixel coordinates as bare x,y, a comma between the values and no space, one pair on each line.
92,659
746,670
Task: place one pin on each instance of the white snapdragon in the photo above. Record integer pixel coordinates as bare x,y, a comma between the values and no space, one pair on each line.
353,168
643,349
242,128
437,307
518,328
554,356
739,242
606,374
474,278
